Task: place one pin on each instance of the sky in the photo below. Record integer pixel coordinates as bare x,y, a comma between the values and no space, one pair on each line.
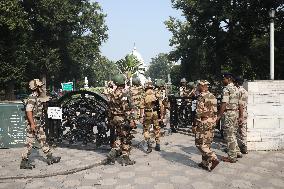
140,22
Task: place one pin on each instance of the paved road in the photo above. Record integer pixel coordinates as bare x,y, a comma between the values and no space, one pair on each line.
172,168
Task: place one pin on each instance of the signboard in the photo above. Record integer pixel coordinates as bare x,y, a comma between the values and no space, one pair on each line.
54,112
12,125
67,86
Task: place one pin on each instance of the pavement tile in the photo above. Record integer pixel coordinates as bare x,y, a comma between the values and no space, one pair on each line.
175,167
164,186
276,182
202,185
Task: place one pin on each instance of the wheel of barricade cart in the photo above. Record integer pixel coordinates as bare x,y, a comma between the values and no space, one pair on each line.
84,118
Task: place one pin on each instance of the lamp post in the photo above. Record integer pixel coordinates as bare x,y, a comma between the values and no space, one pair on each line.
272,16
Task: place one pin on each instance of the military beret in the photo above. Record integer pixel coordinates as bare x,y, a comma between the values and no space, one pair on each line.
203,82
239,80
228,75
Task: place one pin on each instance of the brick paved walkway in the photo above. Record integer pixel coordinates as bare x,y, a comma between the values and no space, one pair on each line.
172,168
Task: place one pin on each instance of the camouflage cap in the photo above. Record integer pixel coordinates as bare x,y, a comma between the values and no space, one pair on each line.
191,84
149,84
203,82
239,80
35,83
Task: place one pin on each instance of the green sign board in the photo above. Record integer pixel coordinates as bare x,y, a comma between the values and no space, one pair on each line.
67,86
12,125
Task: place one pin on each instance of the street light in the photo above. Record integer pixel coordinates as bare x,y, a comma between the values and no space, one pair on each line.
272,16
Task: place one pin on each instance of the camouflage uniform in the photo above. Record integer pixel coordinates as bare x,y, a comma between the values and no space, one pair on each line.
136,93
205,124
183,91
119,107
242,129
35,105
108,90
160,93
149,104
230,119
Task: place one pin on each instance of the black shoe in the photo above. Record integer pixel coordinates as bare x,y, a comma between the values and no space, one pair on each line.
25,164
174,130
149,147
149,150
51,159
244,150
108,161
157,147
203,166
125,160
225,150
239,155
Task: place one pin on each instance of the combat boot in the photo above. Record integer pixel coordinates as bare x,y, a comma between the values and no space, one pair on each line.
215,162
244,150
110,160
157,147
25,164
149,147
51,159
240,155
203,166
125,160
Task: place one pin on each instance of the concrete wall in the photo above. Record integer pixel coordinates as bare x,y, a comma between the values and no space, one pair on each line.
265,115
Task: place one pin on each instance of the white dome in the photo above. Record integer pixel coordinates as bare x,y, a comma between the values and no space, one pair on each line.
142,67
137,55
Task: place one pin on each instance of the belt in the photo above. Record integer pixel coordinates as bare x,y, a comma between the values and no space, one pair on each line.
231,109
148,110
118,114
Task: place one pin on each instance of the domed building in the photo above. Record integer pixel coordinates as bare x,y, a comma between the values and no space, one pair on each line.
142,67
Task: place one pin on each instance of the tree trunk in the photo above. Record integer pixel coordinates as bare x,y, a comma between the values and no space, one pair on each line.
9,91
43,79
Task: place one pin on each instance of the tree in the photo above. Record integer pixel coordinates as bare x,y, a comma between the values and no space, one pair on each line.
224,35
102,71
160,67
13,49
49,38
129,65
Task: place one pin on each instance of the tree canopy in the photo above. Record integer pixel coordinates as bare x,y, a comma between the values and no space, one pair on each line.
129,65
160,67
220,35
49,38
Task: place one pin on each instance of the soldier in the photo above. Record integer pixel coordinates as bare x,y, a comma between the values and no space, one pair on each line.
136,93
149,111
120,107
242,130
35,123
205,123
109,89
160,92
183,89
230,112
